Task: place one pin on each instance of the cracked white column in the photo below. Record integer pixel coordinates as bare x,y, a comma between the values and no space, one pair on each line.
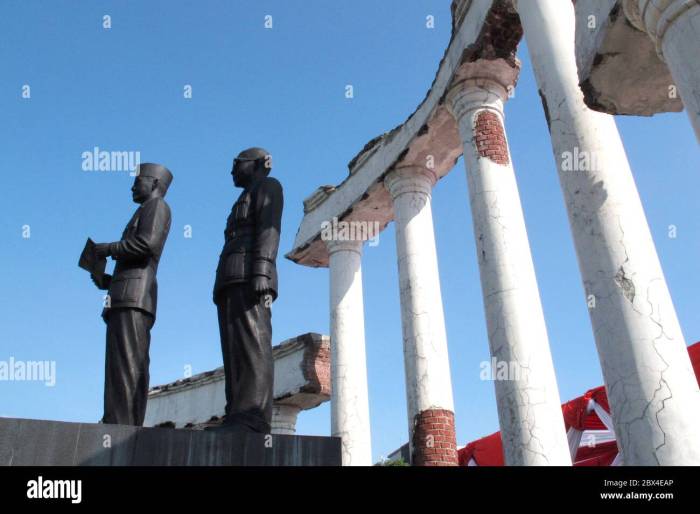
651,387
529,406
674,27
349,396
428,384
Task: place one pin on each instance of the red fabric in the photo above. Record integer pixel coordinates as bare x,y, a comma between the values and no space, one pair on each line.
694,352
576,413
488,451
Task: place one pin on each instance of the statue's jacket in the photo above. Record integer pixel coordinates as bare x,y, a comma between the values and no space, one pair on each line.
133,283
252,236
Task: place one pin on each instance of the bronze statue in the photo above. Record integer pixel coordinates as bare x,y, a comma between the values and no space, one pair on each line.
130,309
246,286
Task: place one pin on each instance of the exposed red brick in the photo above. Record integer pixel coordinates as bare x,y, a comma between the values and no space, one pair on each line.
434,441
499,36
317,367
490,138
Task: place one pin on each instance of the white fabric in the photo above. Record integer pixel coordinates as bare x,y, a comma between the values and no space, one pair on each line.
595,437
602,414
574,437
606,419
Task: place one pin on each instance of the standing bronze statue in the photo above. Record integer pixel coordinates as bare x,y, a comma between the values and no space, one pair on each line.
246,286
130,310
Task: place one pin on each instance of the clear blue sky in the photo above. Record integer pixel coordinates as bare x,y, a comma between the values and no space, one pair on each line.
122,90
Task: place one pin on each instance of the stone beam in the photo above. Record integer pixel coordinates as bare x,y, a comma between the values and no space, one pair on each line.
302,381
428,138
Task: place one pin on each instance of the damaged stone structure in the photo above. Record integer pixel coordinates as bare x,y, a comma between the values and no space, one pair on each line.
640,57
301,382
653,394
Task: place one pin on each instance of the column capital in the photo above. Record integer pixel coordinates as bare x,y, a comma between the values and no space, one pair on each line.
284,418
475,94
656,16
336,245
483,84
410,179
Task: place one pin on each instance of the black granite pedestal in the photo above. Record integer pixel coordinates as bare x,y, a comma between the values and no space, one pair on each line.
27,442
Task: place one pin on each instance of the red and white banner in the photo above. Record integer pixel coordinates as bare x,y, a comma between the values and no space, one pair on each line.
589,429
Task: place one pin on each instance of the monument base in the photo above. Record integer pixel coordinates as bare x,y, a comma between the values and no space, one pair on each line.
28,442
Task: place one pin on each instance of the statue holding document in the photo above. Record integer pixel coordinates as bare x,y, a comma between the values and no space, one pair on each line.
130,307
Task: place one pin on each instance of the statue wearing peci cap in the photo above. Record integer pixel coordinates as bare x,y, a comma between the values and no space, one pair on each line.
130,307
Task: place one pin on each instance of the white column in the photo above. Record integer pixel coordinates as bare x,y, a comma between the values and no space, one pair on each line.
284,419
674,26
349,397
428,384
651,387
529,406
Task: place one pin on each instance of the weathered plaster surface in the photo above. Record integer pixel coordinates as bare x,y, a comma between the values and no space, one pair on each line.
350,402
426,361
651,387
529,406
